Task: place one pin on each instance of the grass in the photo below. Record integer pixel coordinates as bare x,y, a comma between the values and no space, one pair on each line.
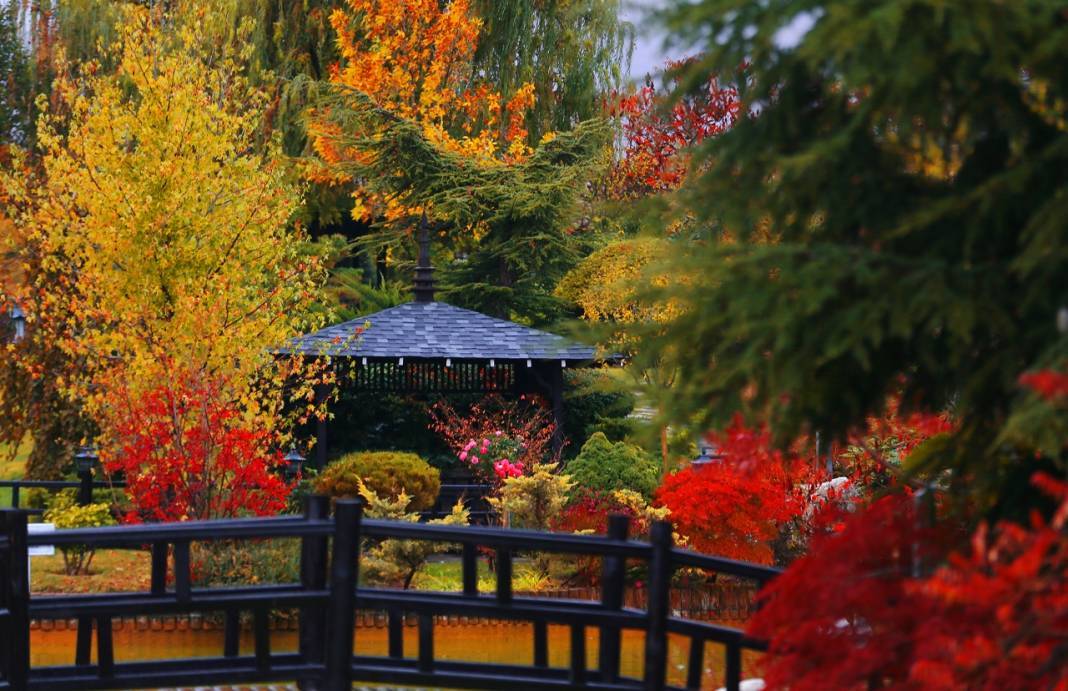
446,574
112,570
116,570
12,468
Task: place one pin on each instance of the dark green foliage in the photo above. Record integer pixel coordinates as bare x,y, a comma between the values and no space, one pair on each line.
899,204
523,211
572,51
594,401
387,473
605,467
16,114
354,297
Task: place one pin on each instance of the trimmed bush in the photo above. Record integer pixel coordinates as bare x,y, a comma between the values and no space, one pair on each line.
387,473
607,467
65,512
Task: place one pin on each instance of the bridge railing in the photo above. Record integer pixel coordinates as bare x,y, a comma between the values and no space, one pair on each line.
328,595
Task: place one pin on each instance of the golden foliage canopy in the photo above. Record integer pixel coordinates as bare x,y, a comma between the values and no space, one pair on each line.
159,203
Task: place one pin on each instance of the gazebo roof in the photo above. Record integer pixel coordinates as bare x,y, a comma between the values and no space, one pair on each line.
436,330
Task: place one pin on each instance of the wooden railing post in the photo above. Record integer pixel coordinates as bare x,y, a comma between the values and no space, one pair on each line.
313,577
613,573
657,610
16,599
344,572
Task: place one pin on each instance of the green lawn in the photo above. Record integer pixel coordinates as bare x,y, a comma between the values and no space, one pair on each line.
446,574
11,469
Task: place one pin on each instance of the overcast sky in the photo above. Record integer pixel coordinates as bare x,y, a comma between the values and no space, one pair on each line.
649,54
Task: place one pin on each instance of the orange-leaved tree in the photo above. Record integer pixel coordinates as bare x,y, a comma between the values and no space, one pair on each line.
414,60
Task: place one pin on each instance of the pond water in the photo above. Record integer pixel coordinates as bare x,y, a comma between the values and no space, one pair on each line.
500,642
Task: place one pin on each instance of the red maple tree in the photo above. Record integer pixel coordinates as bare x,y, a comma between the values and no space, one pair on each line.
657,131
864,608
187,453
738,505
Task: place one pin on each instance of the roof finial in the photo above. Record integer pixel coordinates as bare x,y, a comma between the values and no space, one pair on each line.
424,272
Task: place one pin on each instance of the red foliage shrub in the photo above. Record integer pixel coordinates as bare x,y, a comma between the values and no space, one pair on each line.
589,512
494,431
737,506
1046,383
657,134
841,616
188,454
1001,613
854,612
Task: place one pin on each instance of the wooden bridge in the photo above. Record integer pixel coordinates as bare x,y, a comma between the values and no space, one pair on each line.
328,596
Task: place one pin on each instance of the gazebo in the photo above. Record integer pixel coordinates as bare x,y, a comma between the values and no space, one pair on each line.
426,346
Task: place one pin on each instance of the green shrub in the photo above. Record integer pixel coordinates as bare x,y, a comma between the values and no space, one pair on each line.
65,513
596,401
606,467
395,562
387,473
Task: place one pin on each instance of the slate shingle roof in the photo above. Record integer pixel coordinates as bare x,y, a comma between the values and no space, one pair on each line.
438,330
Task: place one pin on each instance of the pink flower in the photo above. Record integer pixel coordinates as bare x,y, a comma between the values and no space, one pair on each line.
463,455
506,469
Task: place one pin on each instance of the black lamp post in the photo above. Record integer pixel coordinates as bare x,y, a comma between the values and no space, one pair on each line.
84,461
294,463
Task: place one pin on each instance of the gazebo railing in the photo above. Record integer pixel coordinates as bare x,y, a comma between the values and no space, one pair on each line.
327,597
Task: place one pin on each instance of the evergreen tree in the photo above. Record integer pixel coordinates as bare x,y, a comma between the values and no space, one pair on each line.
895,207
518,215
15,95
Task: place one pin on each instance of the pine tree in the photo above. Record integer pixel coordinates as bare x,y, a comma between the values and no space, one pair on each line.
515,217
892,214
15,95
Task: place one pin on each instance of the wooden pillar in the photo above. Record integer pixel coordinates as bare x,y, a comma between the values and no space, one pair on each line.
546,379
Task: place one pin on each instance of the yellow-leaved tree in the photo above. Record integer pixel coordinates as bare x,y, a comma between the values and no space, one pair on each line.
158,201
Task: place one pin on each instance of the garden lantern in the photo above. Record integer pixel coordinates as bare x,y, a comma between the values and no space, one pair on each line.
84,461
293,464
706,453
18,322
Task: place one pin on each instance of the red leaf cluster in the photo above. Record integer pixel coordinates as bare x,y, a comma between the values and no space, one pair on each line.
188,454
1001,612
856,612
1046,383
737,506
657,133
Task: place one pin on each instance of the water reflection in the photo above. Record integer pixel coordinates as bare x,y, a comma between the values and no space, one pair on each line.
500,642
